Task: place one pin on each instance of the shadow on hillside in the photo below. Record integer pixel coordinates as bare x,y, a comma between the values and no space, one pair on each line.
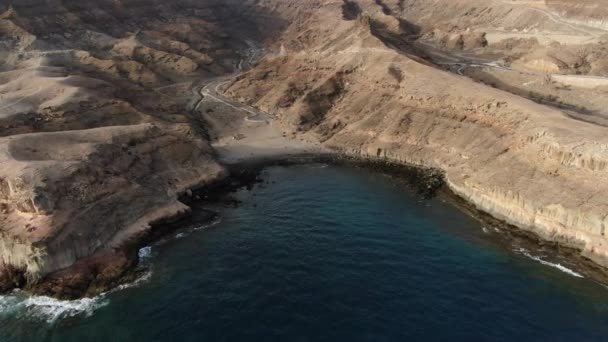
350,10
401,41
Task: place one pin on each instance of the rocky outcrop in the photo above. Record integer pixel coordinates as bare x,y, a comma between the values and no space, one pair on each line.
97,136
457,41
68,195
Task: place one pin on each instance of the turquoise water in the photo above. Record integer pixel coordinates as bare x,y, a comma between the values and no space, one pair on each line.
330,254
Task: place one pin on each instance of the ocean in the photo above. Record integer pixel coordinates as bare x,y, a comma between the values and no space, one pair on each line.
327,253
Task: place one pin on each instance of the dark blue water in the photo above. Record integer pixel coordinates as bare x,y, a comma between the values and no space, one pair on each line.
330,254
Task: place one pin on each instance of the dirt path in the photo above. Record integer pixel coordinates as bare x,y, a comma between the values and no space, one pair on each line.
258,134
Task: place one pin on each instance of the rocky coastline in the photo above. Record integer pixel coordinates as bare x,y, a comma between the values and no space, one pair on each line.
361,93
80,194
107,269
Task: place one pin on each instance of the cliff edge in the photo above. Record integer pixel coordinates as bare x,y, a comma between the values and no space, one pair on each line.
355,80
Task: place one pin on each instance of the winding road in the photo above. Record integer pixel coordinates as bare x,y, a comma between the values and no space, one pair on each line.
210,87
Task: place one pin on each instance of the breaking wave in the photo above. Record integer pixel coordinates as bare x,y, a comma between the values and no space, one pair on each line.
142,279
48,309
215,222
554,265
19,305
144,253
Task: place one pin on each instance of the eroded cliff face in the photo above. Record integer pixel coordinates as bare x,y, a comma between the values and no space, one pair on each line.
97,133
348,81
78,190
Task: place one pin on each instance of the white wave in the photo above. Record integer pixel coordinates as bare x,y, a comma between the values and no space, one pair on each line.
145,252
209,225
52,309
22,306
547,263
47,308
7,304
142,279
180,235
485,230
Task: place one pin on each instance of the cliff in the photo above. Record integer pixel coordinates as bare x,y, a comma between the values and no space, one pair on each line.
98,138
362,89
101,128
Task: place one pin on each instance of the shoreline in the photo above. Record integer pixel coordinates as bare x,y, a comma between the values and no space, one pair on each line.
70,283
432,182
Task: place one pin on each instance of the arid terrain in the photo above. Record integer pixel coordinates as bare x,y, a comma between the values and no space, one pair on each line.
113,111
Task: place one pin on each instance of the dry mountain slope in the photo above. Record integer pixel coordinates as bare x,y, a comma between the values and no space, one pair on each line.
97,137
363,94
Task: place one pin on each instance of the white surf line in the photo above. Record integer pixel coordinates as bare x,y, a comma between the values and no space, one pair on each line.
547,263
51,309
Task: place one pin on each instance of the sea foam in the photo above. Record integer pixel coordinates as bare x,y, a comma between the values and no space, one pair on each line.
145,253
215,222
554,265
22,306
48,309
